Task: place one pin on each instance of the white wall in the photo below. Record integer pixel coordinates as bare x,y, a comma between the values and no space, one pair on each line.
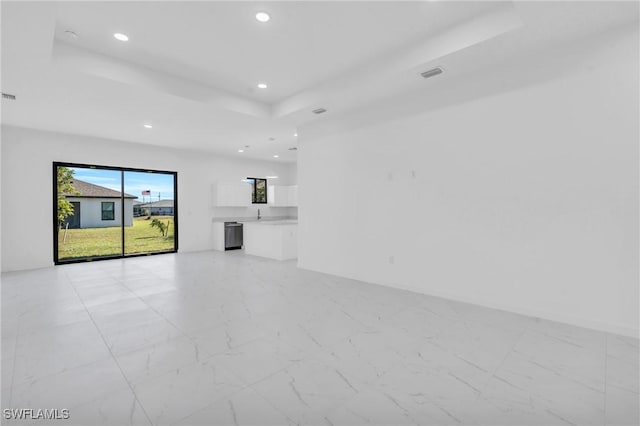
27,157
525,200
91,212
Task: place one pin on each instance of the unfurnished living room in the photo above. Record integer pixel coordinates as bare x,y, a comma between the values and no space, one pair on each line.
320,213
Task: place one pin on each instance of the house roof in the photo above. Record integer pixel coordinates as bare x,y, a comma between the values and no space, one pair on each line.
89,190
161,203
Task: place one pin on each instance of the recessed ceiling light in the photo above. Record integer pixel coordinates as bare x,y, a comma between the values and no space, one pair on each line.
263,17
319,111
241,150
295,135
262,86
147,126
121,37
276,156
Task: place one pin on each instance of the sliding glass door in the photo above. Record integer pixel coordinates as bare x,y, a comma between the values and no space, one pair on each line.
89,212
103,212
154,222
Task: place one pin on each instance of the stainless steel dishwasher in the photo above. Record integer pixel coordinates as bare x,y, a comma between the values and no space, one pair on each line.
232,235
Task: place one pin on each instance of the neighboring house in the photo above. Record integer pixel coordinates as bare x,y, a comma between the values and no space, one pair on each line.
137,209
98,207
157,208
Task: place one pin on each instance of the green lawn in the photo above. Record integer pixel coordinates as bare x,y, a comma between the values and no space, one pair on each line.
94,242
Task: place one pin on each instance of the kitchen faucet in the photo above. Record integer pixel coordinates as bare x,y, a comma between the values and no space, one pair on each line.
258,214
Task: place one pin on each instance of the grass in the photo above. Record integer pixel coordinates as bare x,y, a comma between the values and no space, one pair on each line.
96,242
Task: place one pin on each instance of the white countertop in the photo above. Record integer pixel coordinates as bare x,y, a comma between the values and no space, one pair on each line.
253,219
272,222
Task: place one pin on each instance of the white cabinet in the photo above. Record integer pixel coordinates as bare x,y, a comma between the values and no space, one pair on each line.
218,236
231,194
276,195
275,240
283,196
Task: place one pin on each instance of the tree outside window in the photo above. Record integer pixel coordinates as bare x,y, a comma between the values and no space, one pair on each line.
258,190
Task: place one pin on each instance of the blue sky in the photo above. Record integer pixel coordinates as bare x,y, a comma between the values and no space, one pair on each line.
134,182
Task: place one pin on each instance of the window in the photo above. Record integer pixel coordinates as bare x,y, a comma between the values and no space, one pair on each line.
258,190
108,210
146,203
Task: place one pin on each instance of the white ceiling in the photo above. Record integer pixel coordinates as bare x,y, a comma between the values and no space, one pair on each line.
191,68
220,44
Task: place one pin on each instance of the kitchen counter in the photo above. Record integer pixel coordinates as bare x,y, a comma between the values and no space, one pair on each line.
253,219
276,239
281,244
272,222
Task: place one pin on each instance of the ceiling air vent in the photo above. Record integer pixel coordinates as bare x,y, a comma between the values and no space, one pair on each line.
431,73
293,148
319,111
8,96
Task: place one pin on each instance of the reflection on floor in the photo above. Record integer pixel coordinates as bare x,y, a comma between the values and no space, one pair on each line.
225,338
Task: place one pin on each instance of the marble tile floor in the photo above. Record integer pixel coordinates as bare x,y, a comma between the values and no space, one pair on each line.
227,339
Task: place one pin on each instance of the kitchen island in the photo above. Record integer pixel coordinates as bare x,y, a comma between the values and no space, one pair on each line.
276,239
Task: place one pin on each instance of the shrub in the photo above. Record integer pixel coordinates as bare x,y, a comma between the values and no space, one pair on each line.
162,227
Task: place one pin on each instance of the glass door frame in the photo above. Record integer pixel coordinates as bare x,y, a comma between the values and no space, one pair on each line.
122,171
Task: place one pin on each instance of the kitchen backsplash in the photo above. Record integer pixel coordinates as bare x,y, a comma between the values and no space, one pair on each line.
229,214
